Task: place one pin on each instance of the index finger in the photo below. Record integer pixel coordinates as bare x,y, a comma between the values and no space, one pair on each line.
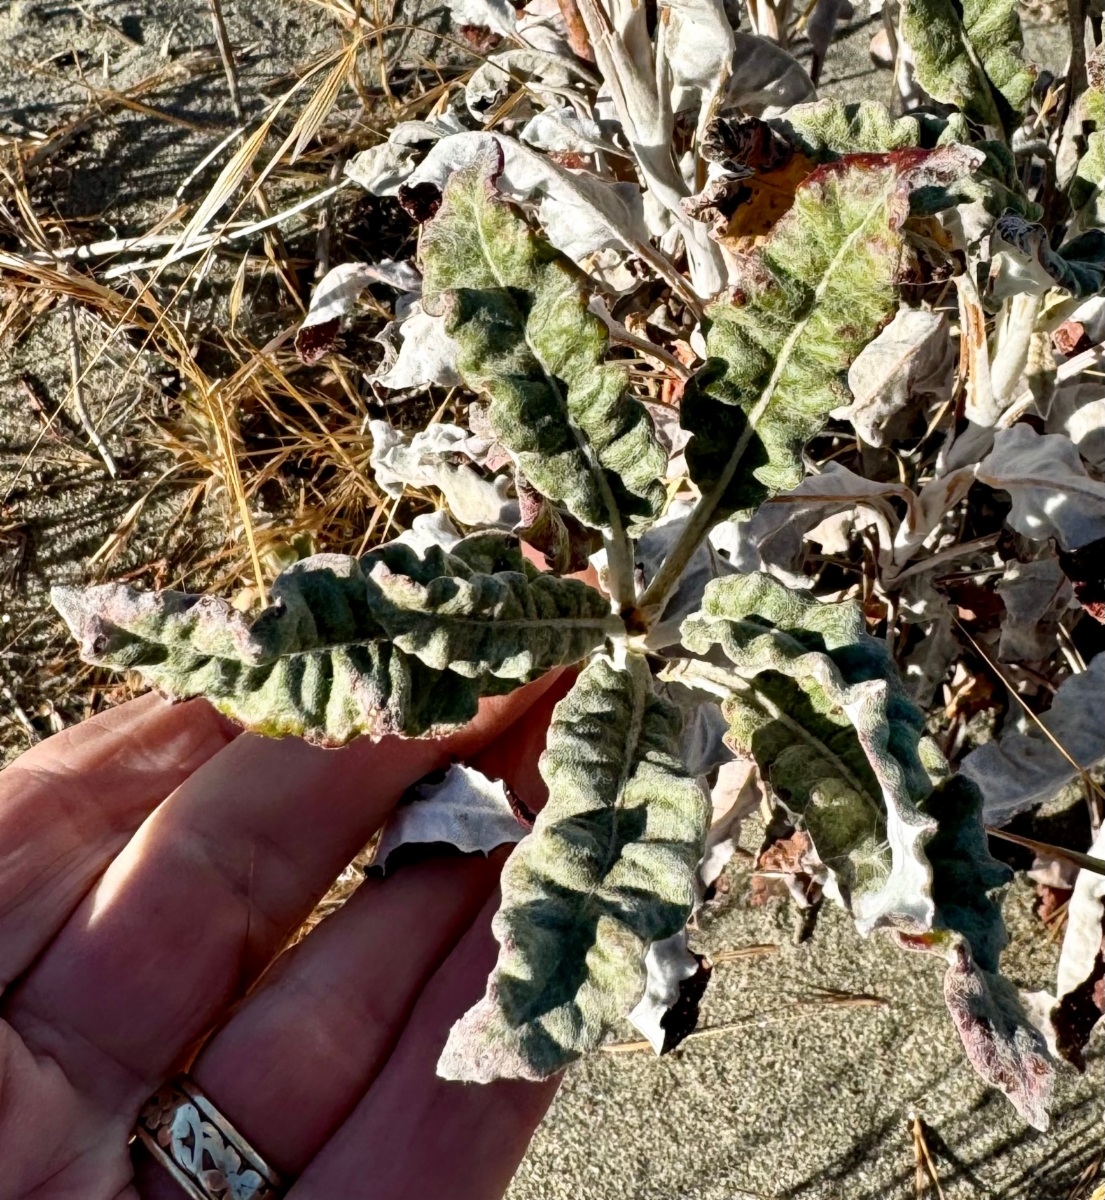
69,805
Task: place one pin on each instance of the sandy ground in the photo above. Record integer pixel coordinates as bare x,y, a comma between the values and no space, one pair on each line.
802,1100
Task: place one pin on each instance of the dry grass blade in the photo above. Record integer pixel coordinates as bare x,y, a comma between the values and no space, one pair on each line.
724,956
830,998
1086,861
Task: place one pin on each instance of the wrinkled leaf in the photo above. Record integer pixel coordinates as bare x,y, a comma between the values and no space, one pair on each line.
580,213
828,129
607,870
430,459
388,643
975,62
519,313
466,810
1000,1040
1053,495
752,179
801,310
968,883
818,703
1022,770
967,888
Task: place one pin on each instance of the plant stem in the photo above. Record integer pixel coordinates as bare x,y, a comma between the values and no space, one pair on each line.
619,565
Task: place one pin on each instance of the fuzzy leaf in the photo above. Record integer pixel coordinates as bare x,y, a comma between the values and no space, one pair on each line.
466,810
608,869
819,705
1024,262
967,885
519,312
967,881
765,79
430,459
976,63
910,362
1053,494
388,643
1001,1042
801,310
827,129
1021,770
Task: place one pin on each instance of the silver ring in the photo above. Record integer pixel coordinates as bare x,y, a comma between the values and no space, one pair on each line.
200,1148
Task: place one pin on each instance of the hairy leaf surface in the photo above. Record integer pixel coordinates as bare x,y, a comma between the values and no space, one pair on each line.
607,870
801,310
519,312
818,703
975,62
388,643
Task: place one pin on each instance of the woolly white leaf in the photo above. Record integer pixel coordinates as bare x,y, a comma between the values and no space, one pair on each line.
1077,1006
695,44
496,15
736,795
766,80
427,460
1036,594
580,213
427,355
1022,770
559,130
911,361
547,76
336,294
430,529
381,170
667,965
1052,494
466,810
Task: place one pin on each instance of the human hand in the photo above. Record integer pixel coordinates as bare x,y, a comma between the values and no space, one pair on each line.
153,863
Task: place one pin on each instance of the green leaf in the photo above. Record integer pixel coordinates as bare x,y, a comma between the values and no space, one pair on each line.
1087,189
828,129
518,310
819,705
1000,1041
805,305
967,881
976,63
389,643
608,869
